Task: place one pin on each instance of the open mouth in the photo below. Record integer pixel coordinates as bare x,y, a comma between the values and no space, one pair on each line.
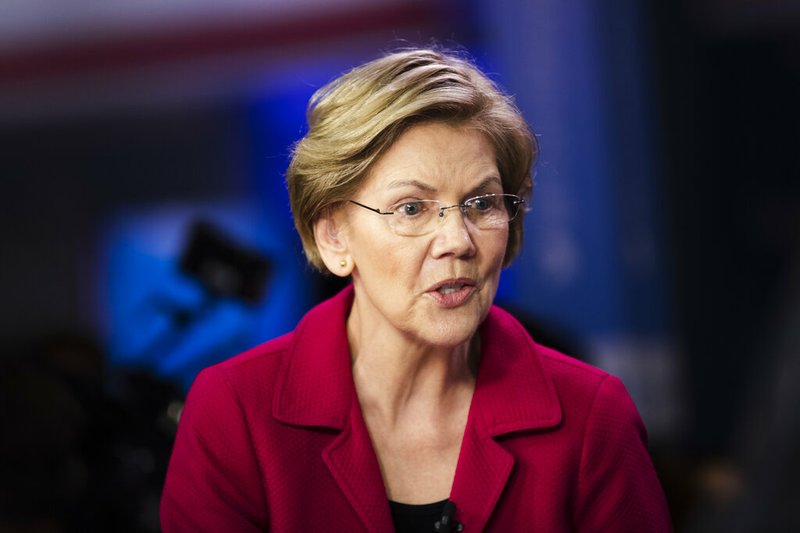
449,289
453,293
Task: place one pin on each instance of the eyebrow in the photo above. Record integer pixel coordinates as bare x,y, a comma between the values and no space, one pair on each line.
411,183
487,181
428,188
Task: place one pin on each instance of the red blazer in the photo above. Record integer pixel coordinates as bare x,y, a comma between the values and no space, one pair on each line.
274,439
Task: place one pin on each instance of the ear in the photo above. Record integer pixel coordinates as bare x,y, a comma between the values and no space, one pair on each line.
332,244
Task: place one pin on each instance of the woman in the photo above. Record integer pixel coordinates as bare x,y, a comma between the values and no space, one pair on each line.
408,400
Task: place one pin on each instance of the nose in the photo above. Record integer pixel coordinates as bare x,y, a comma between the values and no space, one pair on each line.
453,236
443,210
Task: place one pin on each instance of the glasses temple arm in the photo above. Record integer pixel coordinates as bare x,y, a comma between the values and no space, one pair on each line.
373,209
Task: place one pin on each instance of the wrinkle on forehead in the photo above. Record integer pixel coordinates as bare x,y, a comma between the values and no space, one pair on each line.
434,158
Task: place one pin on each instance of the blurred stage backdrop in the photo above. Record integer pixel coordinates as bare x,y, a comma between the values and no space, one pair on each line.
146,232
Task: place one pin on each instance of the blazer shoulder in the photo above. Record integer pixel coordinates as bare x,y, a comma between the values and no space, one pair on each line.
586,389
508,332
256,368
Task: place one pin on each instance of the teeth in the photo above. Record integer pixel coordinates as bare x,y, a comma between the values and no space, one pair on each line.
447,289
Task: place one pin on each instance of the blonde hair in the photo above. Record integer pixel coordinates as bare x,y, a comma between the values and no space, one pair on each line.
354,119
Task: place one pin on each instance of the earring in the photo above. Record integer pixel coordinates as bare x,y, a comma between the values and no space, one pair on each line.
343,263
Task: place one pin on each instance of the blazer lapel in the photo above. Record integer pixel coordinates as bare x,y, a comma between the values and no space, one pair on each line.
316,390
354,465
513,393
481,475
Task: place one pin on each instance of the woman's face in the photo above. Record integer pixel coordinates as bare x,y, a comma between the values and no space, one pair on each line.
437,288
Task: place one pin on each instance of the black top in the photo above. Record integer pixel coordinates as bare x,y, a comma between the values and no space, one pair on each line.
409,518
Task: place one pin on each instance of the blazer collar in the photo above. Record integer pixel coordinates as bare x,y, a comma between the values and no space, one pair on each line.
316,389
316,386
513,391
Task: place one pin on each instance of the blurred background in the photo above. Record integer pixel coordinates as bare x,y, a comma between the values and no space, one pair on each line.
146,234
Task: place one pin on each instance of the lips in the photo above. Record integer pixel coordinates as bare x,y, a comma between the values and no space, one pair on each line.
453,292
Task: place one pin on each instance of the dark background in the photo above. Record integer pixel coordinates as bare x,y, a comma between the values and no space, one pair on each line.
663,244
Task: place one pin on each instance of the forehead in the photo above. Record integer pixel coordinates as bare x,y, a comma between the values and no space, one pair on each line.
436,157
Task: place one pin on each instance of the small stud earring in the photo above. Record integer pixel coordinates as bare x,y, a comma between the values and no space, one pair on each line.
343,263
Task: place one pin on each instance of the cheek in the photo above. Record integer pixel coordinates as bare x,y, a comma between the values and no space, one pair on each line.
495,250
389,261
402,263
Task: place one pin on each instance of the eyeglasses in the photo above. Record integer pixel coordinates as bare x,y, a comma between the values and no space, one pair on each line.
419,217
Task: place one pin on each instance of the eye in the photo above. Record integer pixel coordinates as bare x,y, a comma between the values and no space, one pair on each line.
409,209
483,203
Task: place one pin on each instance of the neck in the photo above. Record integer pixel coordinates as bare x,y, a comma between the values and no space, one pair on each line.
395,375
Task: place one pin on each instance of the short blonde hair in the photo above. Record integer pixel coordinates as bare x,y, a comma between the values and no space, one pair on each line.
354,119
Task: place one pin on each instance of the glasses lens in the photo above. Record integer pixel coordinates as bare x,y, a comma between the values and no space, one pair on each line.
492,210
415,217
513,205
418,217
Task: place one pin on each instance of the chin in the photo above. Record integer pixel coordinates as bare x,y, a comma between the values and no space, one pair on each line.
450,332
